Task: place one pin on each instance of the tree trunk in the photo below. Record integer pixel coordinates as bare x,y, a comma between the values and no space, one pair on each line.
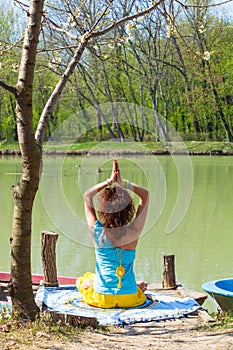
20,286
159,123
195,122
225,124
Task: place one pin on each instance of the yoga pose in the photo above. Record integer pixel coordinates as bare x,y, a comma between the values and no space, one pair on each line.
115,226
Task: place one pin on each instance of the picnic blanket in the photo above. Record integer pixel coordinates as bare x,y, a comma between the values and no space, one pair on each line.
157,307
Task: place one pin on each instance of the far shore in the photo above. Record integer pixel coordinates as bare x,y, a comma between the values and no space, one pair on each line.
93,148
12,152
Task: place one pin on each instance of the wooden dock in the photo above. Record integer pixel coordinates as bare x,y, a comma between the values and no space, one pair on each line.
168,286
179,291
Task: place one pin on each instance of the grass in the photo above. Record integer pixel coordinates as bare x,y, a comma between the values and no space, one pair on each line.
8,145
197,147
225,319
40,333
222,320
27,333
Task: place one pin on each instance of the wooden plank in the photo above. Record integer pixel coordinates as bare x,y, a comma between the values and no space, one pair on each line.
186,293
205,316
179,291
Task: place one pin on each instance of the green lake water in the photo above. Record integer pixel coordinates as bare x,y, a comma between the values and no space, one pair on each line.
190,214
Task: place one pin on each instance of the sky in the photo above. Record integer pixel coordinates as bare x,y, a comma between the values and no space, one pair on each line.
227,7
228,4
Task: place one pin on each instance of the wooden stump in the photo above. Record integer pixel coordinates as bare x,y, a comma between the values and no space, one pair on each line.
73,320
48,253
169,278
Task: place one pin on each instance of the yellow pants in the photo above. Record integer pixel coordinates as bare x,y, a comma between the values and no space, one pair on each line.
85,285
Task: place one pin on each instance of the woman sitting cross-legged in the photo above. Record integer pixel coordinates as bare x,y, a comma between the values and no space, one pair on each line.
115,226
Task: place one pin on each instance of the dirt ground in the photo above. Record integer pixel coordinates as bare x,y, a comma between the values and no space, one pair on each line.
192,332
158,336
179,334
186,333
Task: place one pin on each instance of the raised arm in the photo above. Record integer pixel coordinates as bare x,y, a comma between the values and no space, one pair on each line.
142,209
143,194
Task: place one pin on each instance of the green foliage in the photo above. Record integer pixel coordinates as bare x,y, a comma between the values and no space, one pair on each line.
225,319
9,62
186,76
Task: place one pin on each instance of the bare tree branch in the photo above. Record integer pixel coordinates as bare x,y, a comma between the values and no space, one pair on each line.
8,87
58,48
11,46
203,6
123,20
47,111
102,15
61,30
22,6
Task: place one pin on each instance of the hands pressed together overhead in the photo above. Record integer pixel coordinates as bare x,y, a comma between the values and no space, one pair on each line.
116,175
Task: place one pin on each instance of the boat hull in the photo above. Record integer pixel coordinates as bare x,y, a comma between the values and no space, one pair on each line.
222,292
36,279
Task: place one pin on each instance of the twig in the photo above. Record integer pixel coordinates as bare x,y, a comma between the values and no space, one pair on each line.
203,6
12,45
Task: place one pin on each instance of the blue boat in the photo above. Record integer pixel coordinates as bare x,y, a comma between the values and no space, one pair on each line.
222,292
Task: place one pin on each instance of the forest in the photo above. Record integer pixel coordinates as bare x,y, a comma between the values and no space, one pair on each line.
175,61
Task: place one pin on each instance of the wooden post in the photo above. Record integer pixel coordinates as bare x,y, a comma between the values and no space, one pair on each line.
169,278
48,253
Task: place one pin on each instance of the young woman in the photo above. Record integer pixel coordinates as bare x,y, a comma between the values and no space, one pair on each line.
115,226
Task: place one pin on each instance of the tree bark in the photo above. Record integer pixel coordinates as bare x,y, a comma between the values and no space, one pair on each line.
169,278
20,286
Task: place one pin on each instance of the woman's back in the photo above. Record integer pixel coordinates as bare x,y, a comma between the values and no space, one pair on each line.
108,259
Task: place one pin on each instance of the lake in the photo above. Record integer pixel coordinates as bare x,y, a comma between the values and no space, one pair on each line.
190,214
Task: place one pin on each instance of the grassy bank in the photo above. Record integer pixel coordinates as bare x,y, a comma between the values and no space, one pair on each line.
193,147
41,334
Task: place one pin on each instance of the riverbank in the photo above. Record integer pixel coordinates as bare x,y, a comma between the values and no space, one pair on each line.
129,148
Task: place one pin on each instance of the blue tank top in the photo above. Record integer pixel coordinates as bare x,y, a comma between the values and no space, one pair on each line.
107,260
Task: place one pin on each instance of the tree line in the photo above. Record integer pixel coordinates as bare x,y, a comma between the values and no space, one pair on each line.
177,63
